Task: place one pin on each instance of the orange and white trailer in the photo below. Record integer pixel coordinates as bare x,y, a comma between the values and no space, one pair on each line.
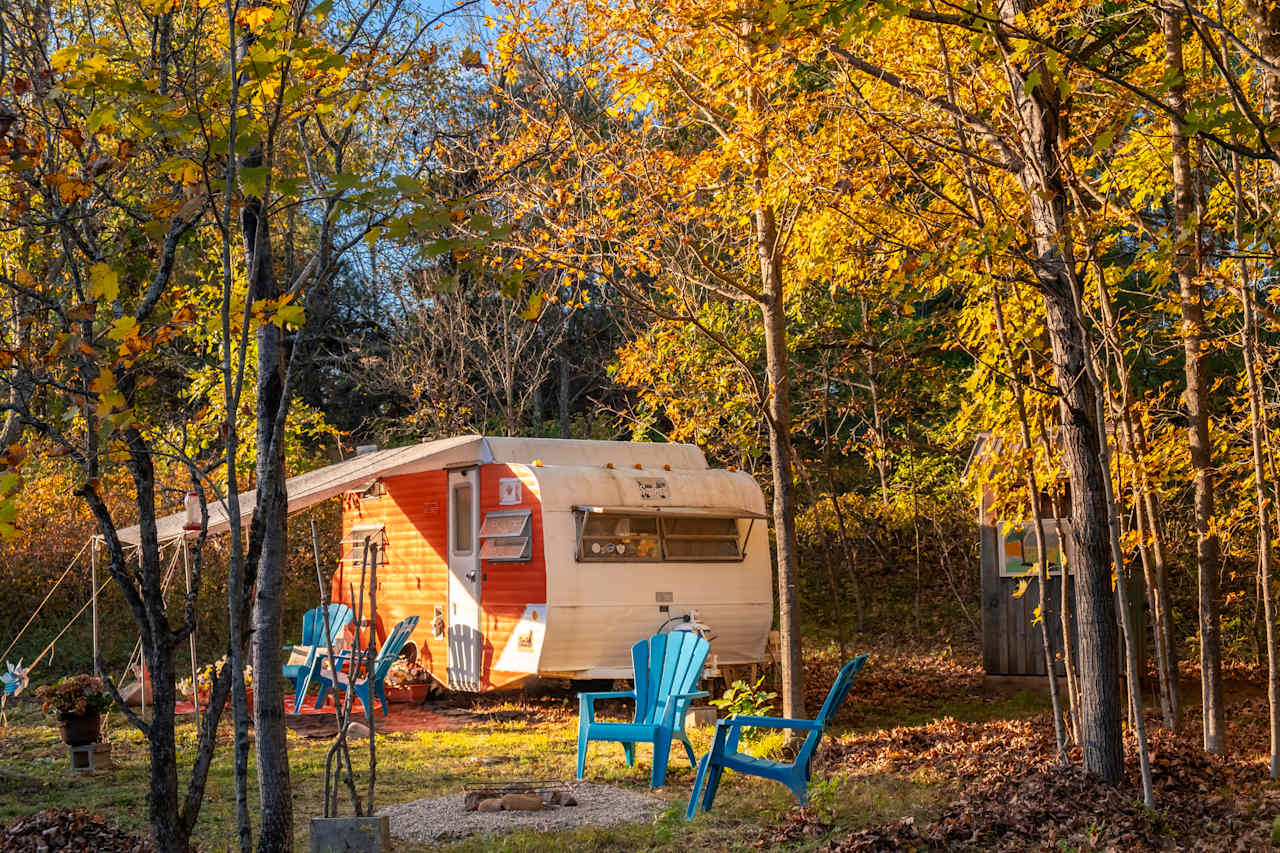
552,557
546,557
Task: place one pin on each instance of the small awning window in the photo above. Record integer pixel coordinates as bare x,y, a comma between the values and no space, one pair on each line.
353,545
693,538
506,536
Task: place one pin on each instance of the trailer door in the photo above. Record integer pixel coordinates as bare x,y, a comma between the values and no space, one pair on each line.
465,580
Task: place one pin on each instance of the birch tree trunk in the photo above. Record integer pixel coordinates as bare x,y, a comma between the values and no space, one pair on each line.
275,797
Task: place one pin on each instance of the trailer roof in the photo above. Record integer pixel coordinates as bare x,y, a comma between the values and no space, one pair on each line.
311,488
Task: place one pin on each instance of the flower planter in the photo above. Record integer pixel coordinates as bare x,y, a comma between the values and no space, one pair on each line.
414,694
80,729
202,701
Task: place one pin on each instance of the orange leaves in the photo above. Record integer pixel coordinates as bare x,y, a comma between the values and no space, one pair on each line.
69,189
14,456
73,135
186,314
254,18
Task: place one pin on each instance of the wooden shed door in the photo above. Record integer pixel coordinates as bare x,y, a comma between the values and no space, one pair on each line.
466,645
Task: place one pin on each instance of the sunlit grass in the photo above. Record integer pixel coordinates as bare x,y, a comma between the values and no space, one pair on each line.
429,764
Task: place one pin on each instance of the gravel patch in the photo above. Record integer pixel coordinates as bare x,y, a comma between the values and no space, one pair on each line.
430,820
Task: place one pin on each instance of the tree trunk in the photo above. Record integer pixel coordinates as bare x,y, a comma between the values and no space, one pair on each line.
276,832
778,416
1039,112
784,498
565,425
1197,393
1257,429
1146,508
1137,718
162,799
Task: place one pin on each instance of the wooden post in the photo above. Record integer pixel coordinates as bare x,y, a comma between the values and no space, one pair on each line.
93,592
191,638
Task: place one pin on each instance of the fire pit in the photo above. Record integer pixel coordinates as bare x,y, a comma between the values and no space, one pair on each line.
543,806
518,796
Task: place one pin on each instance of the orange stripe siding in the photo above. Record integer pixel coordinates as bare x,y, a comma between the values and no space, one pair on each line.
508,587
415,578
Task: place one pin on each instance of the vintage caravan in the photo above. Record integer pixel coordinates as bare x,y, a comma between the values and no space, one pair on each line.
552,557
549,557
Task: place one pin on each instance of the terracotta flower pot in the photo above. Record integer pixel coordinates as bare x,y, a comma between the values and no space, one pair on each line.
414,694
80,729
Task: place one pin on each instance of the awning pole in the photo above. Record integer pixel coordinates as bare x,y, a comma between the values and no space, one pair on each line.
93,590
191,638
143,681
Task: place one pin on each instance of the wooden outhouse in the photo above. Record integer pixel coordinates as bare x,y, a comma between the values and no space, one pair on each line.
1011,641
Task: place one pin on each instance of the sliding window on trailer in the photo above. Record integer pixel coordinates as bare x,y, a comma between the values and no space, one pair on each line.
638,535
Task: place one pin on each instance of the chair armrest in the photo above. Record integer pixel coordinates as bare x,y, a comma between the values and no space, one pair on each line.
673,702
613,694
769,723
587,703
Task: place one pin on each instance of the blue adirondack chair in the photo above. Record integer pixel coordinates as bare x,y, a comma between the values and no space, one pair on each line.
666,668
370,684
313,637
794,774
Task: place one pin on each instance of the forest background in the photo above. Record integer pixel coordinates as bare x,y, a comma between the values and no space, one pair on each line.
663,221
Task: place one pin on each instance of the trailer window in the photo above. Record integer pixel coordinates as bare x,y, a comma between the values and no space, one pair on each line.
462,518
617,537
700,538
627,538
507,536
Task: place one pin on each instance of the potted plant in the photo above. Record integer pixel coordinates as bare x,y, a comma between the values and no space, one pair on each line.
203,686
406,681
79,701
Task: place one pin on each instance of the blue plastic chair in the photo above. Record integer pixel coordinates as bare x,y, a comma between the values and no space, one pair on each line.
313,636
794,774
666,668
370,684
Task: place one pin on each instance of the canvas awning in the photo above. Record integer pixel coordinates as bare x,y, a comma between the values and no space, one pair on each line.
311,488
308,489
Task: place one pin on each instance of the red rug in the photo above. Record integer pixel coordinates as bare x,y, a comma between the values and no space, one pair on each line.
326,708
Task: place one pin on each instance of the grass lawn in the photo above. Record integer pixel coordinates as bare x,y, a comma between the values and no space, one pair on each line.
537,741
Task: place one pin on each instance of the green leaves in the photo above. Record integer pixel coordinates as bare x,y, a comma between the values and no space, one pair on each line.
104,117
253,180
